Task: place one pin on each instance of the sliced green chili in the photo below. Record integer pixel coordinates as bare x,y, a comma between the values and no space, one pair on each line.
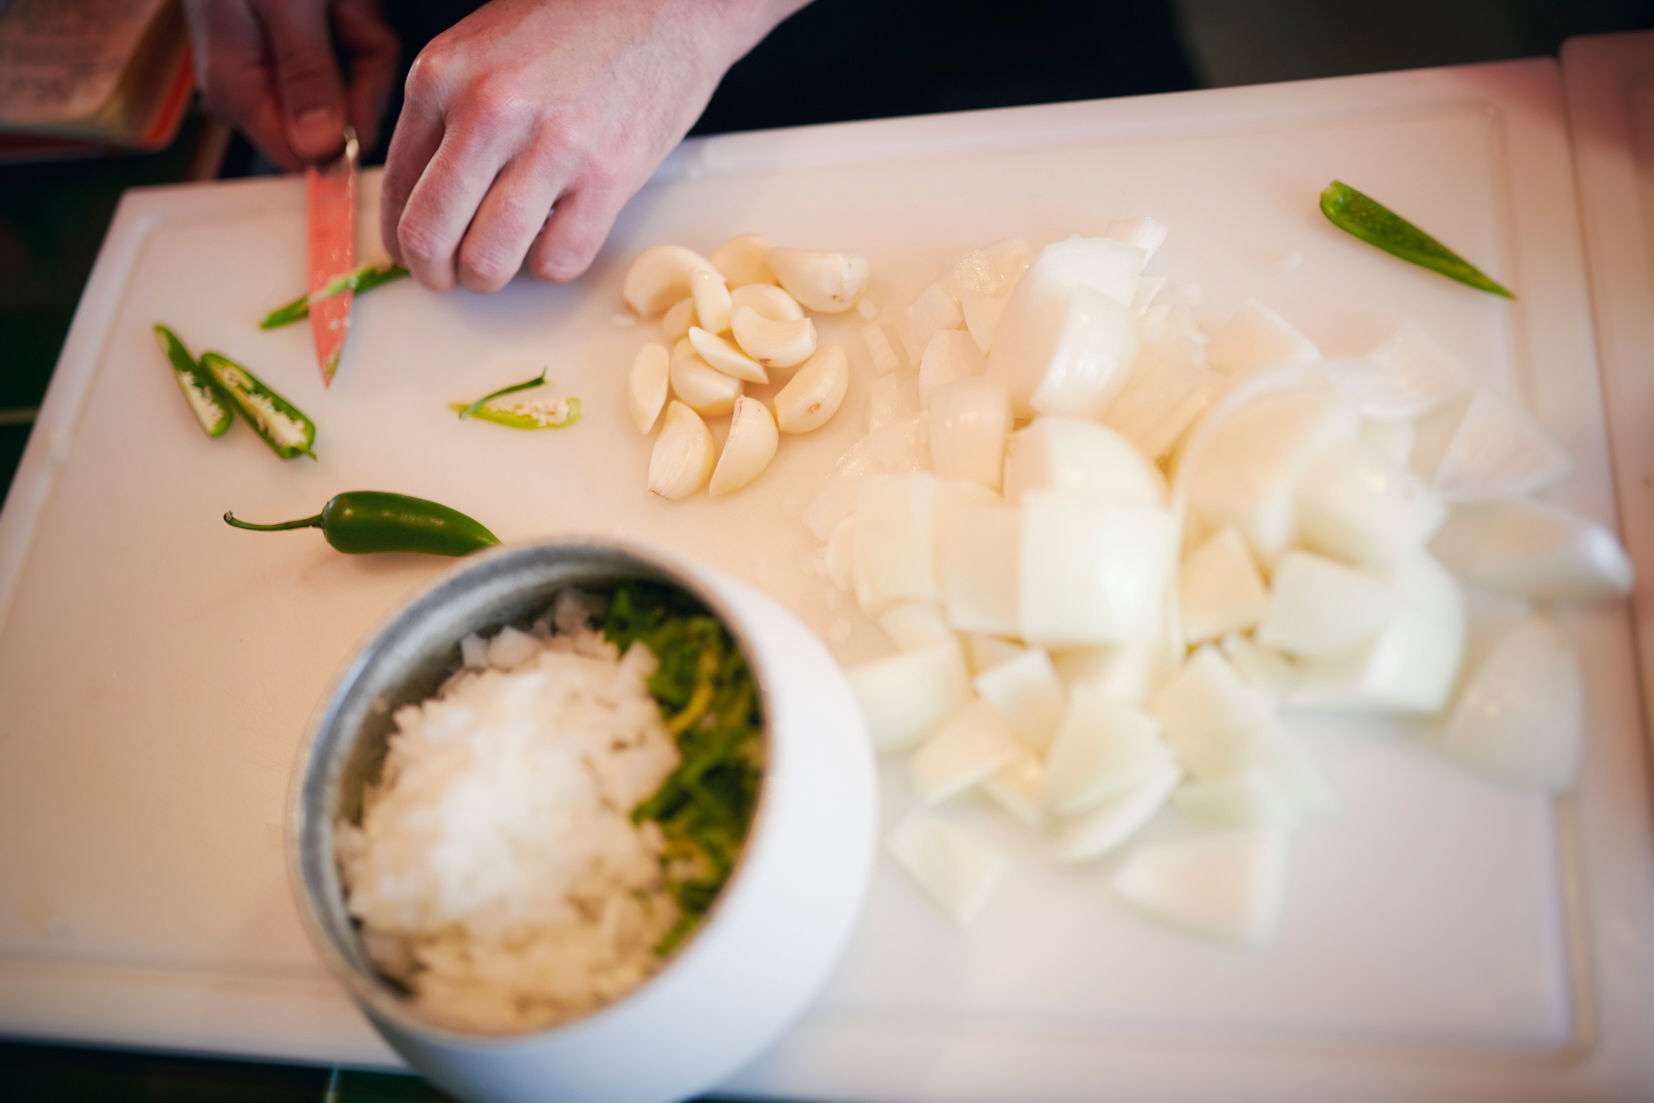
209,404
362,280
525,385
1374,223
536,414
362,521
282,425
709,703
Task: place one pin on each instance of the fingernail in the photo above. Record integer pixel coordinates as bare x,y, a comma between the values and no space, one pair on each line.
318,132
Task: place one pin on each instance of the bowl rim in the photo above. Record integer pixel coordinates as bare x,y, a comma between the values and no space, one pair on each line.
374,992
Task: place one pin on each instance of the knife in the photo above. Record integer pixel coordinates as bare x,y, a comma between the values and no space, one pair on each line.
332,202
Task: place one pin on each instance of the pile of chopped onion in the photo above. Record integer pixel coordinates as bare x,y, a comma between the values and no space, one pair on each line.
1110,548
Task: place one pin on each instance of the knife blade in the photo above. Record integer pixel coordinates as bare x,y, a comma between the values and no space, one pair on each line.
332,214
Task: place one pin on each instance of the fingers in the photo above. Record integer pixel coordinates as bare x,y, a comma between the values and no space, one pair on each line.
508,221
235,80
312,97
570,241
442,203
373,50
415,141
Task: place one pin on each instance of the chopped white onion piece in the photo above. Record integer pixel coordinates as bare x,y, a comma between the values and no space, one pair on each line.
1319,608
1535,550
1169,386
1062,346
970,420
1260,667
1357,506
972,746
933,310
1098,830
1101,750
1016,788
879,350
1520,718
1254,461
894,398
1092,573
1411,374
1390,437
1146,234
1413,664
1259,797
978,549
1486,447
982,316
983,652
1026,692
954,868
907,696
990,270
1219,588
915,624
949,356
1227,885
1125,673
895,556
1214,723
1080,458
511,648
1256,337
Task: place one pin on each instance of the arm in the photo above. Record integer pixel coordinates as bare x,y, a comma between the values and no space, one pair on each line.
530,123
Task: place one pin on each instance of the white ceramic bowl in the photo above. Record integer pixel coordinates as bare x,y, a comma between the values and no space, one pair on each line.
777,927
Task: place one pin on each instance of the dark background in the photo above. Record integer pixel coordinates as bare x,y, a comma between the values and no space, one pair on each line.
836,60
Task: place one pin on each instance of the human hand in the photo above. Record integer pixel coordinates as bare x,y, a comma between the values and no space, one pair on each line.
527,125
268,67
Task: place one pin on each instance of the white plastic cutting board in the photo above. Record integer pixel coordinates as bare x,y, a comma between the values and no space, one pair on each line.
1443,937
1610,93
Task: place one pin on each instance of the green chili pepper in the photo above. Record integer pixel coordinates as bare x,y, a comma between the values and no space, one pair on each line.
364,279
209,404
525,385
283,425
558,414
359,521
1376,224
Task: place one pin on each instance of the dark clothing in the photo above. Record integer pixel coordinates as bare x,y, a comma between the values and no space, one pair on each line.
860,59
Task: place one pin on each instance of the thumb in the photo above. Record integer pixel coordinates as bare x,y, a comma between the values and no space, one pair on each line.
307,77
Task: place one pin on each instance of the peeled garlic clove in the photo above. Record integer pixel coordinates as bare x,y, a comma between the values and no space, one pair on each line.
682,458
743,260
724,356
703,388
826,282
646,387
675,323
748,449
712,303
768,300
774,344
659,277
814,394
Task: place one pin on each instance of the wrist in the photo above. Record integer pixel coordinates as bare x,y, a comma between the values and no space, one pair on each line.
744,23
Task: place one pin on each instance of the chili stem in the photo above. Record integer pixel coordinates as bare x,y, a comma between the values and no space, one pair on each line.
281,526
